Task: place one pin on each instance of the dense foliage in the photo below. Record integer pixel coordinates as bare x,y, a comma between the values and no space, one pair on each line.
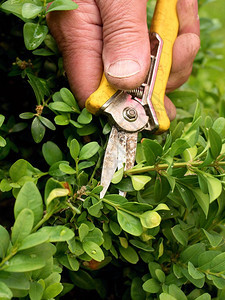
164,241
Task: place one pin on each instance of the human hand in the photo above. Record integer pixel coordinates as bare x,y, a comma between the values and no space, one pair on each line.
112,35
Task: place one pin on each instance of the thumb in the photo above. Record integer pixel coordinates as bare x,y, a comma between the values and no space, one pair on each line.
126,47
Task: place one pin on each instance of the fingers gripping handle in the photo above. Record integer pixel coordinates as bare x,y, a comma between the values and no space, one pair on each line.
165,23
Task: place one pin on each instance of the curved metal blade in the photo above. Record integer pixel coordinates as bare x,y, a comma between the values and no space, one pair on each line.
127,154
110,161
120,152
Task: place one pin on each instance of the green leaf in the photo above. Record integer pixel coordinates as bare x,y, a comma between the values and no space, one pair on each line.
39,86
15,280
129,223
214,238
161,206
94,235
204,296
219,127
115,228
150,219
192,253
217,281
37,130
218,263
67,96
66,169
151,286
85,117
62,120
60,106
22,226
117,177
86,129
141,245
136,206
137,292
215,143
202,183
77,125
33,240
178,147
165,296
180,235
5,240
204,260
52,278
55,171
43,52
195,273
62,5
29,197
95,209
56,193
116,199
203,200
2,142
34,35
139,181
183,99
5,292
89,150
152,150
75,247
83,280
197,282
129,254
5,185
53,290
47,122
85,164
51,153
57,233
30,10
27,115
24,263
2,119
177,132
93,250
83,231
11,6
36,291
214,187
73,262
197,112
190,153
160,275
176,292
74,148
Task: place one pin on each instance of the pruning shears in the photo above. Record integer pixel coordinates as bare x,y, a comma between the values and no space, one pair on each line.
143,108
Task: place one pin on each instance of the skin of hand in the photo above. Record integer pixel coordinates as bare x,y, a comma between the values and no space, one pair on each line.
112,36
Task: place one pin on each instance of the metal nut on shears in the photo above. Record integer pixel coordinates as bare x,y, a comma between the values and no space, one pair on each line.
130,114
126,113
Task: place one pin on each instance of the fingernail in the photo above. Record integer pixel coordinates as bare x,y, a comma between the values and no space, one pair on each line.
124,68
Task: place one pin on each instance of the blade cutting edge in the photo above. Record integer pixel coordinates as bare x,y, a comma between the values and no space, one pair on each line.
110,161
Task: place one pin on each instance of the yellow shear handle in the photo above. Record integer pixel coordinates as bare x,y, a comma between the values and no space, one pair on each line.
104,92
165,23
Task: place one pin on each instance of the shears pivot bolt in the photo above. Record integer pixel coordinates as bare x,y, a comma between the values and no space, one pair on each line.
130,114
